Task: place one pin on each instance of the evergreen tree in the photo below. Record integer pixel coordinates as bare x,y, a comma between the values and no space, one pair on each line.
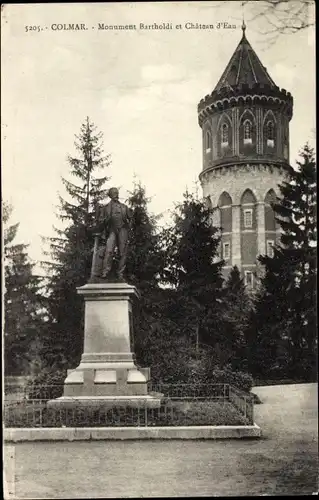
192,245
236,309
285,317
270,321
159,340
145,253
72,247
23,303
145,261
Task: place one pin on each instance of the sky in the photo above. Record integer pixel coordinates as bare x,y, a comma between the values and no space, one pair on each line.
140,88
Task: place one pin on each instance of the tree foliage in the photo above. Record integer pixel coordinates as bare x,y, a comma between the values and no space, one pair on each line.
285,319
145,254
23,302
193,279
71,249
144,262
191,268
236,311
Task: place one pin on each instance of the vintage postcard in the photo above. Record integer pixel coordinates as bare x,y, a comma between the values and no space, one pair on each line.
159,249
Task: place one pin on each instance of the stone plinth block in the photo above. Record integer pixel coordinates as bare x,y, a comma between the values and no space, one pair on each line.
107,373
152,400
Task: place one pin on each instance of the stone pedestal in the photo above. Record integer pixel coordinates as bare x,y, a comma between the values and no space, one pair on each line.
107,374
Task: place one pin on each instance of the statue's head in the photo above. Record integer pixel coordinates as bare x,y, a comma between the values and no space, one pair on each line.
113,193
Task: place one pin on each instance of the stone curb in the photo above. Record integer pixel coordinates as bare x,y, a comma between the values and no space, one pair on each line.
124,433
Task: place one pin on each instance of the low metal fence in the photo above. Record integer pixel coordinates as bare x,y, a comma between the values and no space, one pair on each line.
243,402
182,404
219,392
15,392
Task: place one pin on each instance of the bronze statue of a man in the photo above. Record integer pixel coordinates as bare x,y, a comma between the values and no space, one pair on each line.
113,223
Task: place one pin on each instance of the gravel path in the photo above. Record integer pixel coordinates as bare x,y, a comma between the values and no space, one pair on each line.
284,461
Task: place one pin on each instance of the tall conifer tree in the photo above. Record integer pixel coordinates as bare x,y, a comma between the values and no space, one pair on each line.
144,266
145,254
236,310
71,249
23,303
191,269
286,306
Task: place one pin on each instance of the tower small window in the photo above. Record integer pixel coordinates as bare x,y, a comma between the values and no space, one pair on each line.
248,218
224,132
270,248
249,279
247,132
208,142
226,251
270,134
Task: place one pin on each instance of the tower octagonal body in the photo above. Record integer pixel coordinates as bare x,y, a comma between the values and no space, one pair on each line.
245,137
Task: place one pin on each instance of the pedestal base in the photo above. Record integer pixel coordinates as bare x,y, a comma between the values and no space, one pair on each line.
97,379
107,374
101,402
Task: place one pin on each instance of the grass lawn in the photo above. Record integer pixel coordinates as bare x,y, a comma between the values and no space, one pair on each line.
284,461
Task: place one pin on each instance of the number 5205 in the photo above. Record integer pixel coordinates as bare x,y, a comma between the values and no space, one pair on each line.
32,28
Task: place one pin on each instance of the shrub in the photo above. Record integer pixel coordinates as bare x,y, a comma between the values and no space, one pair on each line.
241,380
47,384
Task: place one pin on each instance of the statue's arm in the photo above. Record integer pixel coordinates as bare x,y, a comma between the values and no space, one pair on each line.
100,220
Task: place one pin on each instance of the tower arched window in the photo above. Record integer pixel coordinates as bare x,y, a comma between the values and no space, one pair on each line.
248,210
224,133
270,133
208,141
247,132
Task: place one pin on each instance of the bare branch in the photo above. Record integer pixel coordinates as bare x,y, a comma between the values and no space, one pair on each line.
279,17
285,16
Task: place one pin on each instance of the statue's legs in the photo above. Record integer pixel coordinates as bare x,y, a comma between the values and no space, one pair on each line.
122,238
108,256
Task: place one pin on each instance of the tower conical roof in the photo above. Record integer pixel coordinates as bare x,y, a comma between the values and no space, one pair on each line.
244,67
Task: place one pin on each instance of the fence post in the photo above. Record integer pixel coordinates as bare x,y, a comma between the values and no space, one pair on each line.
33,414
138,416
252,410
146,423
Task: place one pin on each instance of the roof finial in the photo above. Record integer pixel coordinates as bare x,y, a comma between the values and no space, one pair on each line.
243,26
